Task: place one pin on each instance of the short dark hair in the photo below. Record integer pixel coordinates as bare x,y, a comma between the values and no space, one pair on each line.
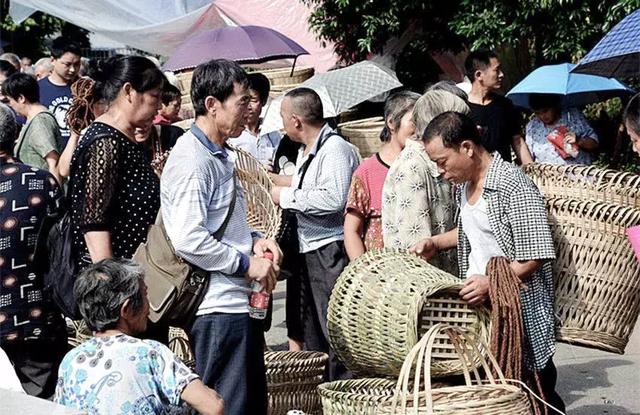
260,83
478,60
395,107
453,128
170,93
62,45
22,84
544,101
306,104
631,115
215,78
6,68
102,288
111,75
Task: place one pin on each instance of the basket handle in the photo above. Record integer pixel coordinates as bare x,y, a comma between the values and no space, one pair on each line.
423,350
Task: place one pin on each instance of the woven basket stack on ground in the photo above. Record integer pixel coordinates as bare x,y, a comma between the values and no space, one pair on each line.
263,215
493,396
597,276
292,379
364,134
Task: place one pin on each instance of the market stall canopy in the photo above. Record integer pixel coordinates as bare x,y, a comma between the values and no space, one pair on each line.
339,90
245,44
159,26
618,52
576,89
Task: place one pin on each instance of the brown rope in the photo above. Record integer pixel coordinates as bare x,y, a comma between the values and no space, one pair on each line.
507,325
80,115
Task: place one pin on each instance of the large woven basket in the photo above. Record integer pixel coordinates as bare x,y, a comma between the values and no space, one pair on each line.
355,396
77,332
586,183
263,215
292,380
364,134
596,274
384,301
283,76
493,396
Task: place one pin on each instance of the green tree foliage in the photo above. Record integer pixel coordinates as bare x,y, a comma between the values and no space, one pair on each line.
29,37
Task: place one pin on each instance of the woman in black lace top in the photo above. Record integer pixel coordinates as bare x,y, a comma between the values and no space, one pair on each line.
114,191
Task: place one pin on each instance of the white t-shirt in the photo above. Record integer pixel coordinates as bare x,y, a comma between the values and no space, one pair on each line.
475,222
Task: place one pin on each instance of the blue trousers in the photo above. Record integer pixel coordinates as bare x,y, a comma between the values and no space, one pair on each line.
229,359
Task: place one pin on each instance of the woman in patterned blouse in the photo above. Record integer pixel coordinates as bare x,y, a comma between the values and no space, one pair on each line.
362,224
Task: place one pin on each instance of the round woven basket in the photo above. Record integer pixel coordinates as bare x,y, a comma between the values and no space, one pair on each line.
283,76
263,215
586,183
384,301
493,396
292,379
77,332
355,396
179,344
597,277
184,84
364,134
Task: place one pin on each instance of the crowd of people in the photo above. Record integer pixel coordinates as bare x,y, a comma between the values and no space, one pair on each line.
99,143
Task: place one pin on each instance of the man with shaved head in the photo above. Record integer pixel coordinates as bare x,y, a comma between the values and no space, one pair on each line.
318,195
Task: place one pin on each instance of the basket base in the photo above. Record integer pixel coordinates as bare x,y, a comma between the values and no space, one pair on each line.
591,339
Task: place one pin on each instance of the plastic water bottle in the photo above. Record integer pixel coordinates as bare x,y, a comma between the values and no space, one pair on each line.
259,300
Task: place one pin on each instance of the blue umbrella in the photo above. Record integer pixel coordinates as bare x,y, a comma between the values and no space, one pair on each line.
576,89
618,52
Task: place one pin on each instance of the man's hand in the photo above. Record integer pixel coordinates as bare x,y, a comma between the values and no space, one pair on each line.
475,290
426,248
263,271
263,245
275,194
570,137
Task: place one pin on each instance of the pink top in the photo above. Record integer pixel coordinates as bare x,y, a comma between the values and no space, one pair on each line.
365,198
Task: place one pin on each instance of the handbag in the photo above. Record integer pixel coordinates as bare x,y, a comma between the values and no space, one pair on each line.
175,287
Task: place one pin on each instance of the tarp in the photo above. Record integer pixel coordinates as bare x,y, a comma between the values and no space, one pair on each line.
159,26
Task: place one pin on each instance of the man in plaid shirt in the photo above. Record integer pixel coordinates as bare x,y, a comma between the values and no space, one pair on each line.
502,213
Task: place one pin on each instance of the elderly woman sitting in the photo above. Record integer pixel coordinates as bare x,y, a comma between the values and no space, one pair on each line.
115,372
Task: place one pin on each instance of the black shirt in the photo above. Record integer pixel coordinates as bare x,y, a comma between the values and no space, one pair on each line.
499,121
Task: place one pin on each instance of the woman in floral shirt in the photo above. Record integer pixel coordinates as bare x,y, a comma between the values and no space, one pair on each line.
363,225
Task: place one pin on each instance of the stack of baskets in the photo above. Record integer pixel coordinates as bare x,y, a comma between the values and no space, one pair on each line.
184,85
380,306
364,134
282,80
597,277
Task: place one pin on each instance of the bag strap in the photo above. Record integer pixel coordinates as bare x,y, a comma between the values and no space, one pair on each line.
24,136
220,232
305,166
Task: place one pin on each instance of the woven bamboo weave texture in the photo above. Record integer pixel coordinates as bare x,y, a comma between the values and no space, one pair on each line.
263,215
597,277
283,76
355,396
414,393
384,301
180,346
364,134
292,381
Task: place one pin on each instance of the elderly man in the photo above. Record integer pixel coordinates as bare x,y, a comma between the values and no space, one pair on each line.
502,214
42,68
204,211
318,194
115,372
32,332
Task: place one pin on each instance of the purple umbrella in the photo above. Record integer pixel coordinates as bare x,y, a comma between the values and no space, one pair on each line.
243,44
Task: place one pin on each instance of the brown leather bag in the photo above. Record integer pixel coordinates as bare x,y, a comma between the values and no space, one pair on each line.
175,288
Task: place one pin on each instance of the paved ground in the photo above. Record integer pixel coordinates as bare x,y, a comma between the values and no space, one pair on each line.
590,381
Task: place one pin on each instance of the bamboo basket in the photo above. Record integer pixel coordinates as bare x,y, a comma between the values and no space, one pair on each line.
292,379
364,134
597,276
384,300
586,183
355,396
78,332
494,396
180,346
263,215
283,76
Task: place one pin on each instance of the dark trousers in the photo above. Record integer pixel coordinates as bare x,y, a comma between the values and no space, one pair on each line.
548,378
229,357
36,364
292,269
322,268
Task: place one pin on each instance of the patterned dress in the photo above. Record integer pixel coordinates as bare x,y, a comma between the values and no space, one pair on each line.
121,374
365,199
417,203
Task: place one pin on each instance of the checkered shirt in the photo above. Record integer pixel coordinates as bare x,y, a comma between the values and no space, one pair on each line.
518,219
